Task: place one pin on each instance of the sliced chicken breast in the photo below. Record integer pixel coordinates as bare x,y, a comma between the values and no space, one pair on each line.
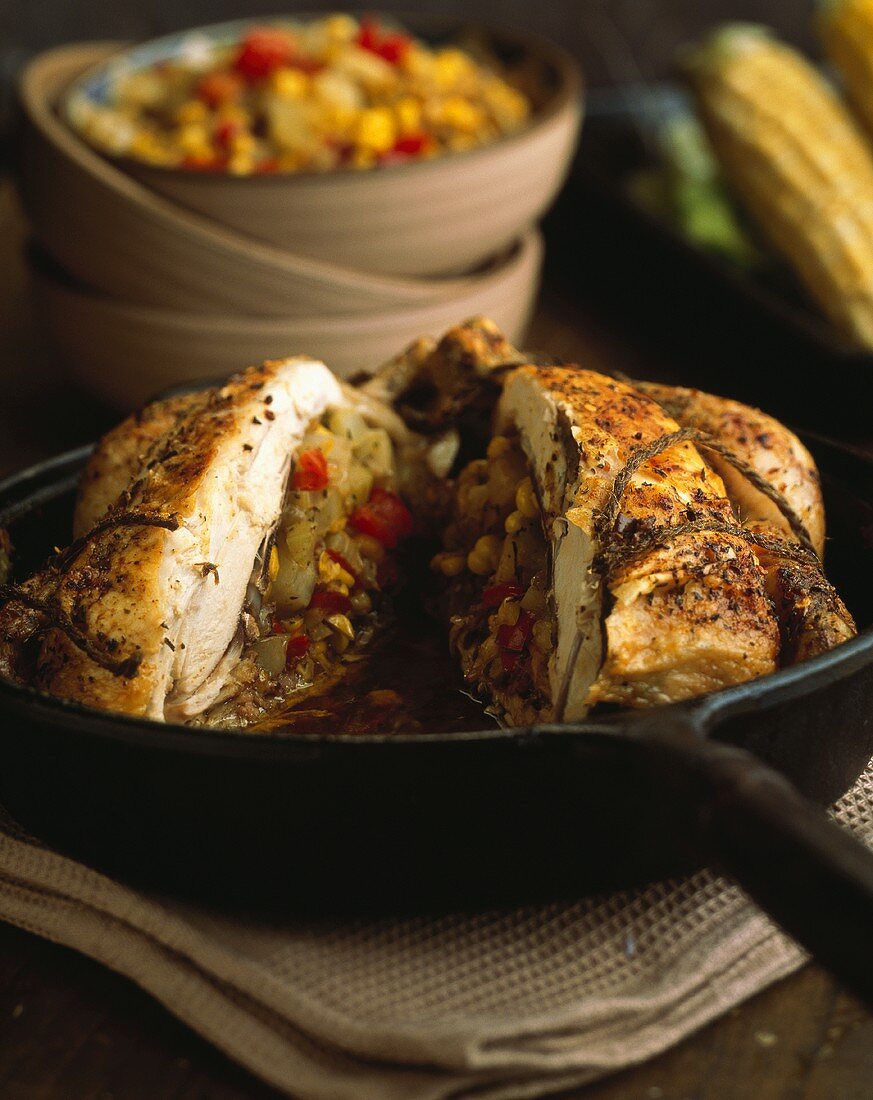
812,616
653,597
155,592
120,456
765,445
686,617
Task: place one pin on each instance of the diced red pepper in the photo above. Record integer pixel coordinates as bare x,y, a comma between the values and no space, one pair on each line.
368,35
393,48
297,647
411,145
497,593
278,626
263,50
220,88
225,132
390,47
310,473
323,599
515,637
267,165
385,517
336,556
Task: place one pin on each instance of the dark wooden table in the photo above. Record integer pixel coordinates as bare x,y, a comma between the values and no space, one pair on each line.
69,1029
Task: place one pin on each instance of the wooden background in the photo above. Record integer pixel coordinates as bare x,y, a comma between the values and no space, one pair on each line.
69,1029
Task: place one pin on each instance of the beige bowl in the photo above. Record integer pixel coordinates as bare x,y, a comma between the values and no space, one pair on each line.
125,353
117,236
438,216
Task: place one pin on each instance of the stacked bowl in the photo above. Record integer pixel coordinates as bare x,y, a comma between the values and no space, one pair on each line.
148,276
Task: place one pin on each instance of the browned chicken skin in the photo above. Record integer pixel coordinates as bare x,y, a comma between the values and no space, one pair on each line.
141,615
679,617
120,456
813,617
673,529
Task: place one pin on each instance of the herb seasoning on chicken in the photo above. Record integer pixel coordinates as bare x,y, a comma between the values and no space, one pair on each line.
601,542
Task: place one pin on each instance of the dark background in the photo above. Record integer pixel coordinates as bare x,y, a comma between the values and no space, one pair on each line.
652,28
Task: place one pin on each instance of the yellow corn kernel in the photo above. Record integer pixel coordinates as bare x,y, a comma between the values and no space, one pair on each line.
242,143
192,110
418,62
542,635
449,66
498,446
328,569
273,567
370,547
342,624
526,499
408,111
514,523
340,28
361,602
146,146
193,140
376,131
241,164
485,555
509,106
450,565
337,119
461,114
289,83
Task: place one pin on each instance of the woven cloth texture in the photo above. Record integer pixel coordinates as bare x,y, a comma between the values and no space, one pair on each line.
516,1003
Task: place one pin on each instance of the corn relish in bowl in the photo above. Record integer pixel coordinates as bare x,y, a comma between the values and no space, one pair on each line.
288,97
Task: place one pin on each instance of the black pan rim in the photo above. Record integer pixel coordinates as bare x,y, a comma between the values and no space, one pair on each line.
700,715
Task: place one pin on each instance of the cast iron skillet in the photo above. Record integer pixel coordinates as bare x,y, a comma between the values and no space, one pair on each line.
434,820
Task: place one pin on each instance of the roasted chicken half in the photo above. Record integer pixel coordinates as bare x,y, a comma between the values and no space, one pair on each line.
631,544
232,546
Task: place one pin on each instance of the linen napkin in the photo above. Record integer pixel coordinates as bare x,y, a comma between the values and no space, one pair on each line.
515,1003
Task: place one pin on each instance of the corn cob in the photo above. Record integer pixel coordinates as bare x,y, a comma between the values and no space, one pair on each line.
847,31
794,157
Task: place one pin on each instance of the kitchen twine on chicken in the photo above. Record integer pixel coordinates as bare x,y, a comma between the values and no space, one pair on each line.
614,551
101,652
497,1005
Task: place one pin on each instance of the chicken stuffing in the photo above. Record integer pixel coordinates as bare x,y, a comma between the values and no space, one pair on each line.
232,546
631,544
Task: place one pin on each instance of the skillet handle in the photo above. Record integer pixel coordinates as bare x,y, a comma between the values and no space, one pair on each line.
812,876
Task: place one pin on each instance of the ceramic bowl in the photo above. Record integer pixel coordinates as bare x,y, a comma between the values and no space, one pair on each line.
114,234
126,353
439,216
